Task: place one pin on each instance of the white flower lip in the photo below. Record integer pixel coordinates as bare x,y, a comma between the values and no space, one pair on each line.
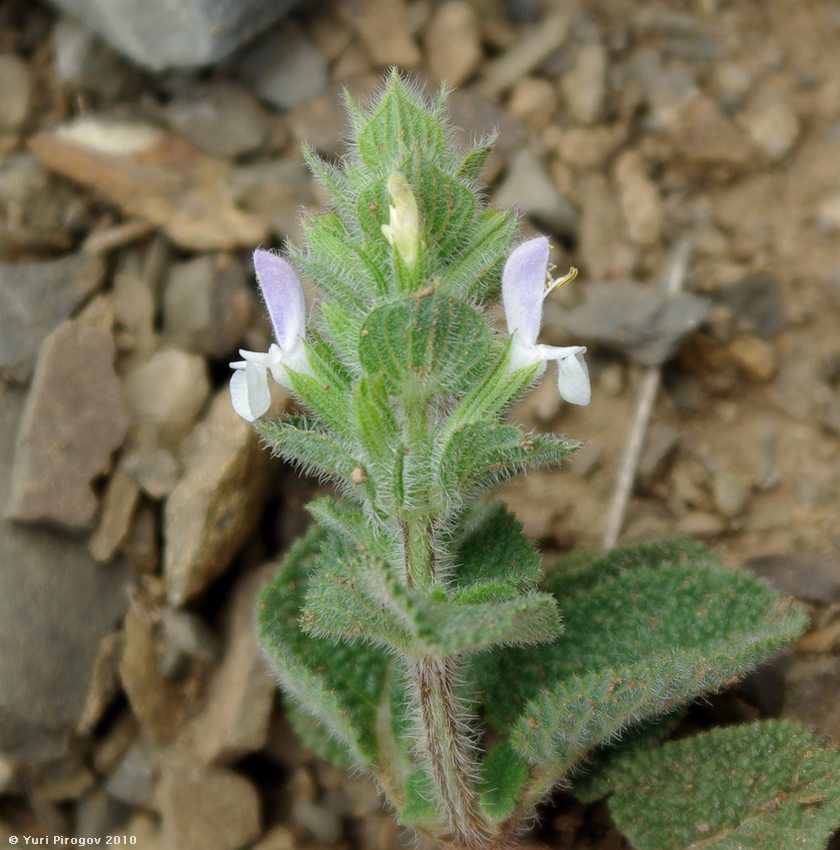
523,292
283,294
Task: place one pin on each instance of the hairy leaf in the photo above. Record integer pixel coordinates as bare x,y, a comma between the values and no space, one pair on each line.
334,245
485,453
337,684
504,774
476,157
475,273
607,769
762,786
428,337
638,643
447,206
355,596
398,125
495,551
310,447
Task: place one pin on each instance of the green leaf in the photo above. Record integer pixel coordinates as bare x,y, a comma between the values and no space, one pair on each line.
312,449
379,434
337,684
332,178
607,769
761,786
482,454
355,595
399,123
343,327
504,774
585,568
349,520
428,337
314,736
637,645
447,206
491,397
475,273
327,400
476,157
421,808
447,628
339,249
496,552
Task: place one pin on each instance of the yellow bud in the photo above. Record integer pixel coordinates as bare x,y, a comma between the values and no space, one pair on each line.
403,229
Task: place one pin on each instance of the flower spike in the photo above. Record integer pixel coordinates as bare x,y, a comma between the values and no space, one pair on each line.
283,296
524,289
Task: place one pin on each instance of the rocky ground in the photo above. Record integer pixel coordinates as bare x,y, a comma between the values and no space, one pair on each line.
141,514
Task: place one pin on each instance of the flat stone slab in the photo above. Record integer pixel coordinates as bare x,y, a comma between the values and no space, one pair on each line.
154,175
74,419
34,298
176,33
56,605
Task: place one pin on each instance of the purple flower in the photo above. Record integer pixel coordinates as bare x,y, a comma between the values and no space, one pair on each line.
525,285
283,296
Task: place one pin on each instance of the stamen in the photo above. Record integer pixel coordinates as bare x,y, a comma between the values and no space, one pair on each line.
560,281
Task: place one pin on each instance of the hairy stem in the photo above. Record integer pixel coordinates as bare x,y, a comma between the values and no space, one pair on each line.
446,744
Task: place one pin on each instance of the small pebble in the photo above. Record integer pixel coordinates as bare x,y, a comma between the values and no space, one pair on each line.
453,42
15,93
584,85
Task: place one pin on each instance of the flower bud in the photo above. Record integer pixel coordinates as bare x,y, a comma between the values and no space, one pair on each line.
403,229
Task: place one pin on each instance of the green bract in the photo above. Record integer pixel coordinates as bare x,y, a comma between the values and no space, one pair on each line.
412,629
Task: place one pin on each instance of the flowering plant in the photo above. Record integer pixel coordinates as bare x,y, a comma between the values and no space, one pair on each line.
413,629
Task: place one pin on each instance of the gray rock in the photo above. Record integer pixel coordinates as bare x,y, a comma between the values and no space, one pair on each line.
37,212
525,55
756,304
813,578
661,445
584,85
212,808
605,251
222,118
207,305
638,320
811,688
275,191
74,420
165,396
133,781
284,69
83,60
34,299
453,42
15,93
240,695
185,636
529,186
176,33
471,115
316,120
216,503
56,606
119,503
156,470
729,493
